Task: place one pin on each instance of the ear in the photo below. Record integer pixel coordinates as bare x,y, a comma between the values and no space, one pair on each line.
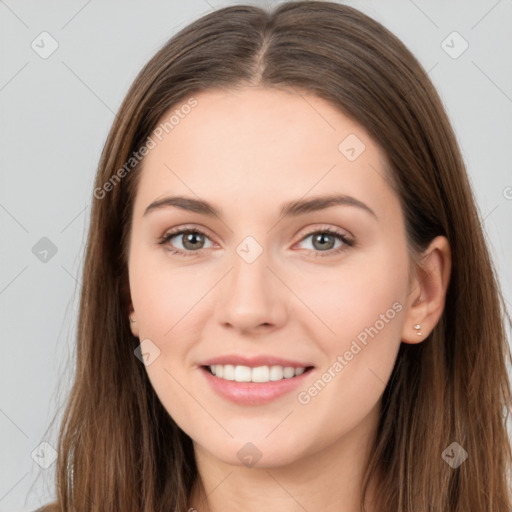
127,306
427,291
133,320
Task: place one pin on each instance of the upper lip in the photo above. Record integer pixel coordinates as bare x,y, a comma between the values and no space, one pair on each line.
254,361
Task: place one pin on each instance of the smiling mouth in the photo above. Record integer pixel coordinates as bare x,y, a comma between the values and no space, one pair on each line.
259,374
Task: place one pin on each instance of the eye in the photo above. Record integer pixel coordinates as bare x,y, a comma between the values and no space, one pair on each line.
192,241
324,240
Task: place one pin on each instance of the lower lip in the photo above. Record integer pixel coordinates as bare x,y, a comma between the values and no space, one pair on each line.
253,393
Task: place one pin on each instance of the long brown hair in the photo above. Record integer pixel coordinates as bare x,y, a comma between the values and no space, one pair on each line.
120,451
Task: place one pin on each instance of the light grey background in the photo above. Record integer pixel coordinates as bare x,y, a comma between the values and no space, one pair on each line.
56,113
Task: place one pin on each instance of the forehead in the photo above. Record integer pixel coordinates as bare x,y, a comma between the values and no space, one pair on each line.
262,146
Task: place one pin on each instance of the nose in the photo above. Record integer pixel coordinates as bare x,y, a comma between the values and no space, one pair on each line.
253,298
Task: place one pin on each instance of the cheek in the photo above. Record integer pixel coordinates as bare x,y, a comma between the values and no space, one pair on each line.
162,294
347,299
164,300
357,320
167,300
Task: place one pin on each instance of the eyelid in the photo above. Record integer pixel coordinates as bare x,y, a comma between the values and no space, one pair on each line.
187,228
323,228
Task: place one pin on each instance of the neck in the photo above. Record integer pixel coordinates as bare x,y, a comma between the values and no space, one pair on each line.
330,479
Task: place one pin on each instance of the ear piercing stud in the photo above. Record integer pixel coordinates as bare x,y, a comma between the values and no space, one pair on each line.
132,320
418,327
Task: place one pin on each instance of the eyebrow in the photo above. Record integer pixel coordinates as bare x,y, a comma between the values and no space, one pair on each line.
290,209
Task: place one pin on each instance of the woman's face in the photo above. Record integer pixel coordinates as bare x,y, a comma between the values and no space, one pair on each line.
277,278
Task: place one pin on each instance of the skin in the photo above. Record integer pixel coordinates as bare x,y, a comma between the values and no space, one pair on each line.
248,151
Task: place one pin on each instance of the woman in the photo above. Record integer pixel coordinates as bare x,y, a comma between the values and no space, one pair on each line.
288,302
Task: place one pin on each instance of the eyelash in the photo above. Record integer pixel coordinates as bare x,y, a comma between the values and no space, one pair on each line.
346,241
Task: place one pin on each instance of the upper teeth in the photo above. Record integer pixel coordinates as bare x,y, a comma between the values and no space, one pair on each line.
258,374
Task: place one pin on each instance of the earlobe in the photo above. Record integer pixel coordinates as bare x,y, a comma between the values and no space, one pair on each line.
133,326
133,321
427,293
